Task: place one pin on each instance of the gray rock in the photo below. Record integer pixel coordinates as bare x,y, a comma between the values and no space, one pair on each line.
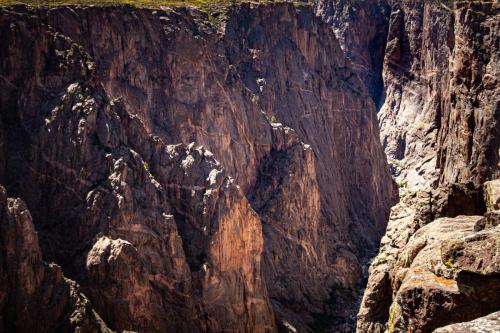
487,324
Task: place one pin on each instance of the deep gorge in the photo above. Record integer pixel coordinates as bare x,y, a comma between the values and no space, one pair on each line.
173,169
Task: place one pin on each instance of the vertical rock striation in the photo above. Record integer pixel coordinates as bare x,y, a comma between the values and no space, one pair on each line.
361,28
469,144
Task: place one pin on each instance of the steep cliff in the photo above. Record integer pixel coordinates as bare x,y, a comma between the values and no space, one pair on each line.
451,144
361,28
35,296
439,126
191,173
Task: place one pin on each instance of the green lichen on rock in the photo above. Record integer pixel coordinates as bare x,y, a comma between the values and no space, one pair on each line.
450,250
394,313
448,264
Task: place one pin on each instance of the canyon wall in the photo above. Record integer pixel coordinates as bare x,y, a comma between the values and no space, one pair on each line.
177,170
32,288
361,28
439,118
192,173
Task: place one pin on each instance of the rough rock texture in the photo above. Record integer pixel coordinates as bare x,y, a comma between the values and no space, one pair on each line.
439,122
439,107
154,239
439,126
445,272
361,28
35,296
487,324
469,142
492,195
192,177
439,118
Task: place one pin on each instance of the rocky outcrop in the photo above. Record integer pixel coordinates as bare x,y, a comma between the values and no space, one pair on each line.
160,228
439,119
440,69
487,324
492,195
446,272
469,142
35,295
194,177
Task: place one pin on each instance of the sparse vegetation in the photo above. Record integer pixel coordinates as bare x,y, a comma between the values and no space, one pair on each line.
202,4
403,183
274,120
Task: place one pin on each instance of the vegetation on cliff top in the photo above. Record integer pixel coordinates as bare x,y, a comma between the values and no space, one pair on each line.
140,3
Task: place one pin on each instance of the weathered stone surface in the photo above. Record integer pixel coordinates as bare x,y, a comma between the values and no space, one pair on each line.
444,273
478,253
492,195
35,296
136,150
415,75
439,116
487,324
469,139
490,220
178,234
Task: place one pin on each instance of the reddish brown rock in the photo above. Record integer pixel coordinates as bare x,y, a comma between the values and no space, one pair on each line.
444,273
469,142
35,296
136,150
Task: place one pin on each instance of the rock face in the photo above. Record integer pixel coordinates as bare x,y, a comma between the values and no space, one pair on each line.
487,324
361,28
445,273
439,123
439,127
439,107
439,118
35,296
194,177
